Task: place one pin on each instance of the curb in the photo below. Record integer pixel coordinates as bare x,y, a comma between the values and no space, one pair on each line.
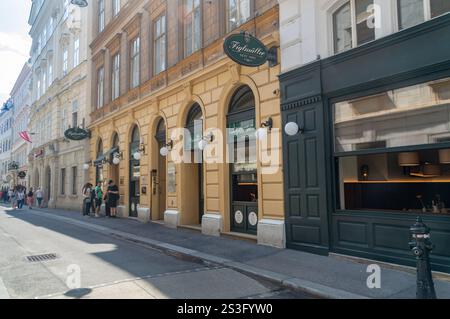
298,284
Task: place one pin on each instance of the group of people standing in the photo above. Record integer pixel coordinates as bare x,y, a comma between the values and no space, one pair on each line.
18,197
94,197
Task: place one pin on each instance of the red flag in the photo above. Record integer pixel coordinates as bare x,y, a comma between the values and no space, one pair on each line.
25,136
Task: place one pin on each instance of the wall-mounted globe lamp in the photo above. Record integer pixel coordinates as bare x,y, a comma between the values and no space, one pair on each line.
205,141
87,165
141,150
264,130
165,150
292,129
117,157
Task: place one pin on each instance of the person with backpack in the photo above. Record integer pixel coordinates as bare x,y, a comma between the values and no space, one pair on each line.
98,199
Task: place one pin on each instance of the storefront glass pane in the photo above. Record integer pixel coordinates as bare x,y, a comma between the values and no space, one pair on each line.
410,13
415,182
414,115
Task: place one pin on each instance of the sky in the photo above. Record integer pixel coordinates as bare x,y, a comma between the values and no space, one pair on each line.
15,42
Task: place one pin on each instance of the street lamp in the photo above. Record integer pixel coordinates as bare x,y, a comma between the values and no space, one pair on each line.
203,144
79,3
166,149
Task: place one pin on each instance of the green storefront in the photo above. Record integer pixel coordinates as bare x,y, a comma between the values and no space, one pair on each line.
369,149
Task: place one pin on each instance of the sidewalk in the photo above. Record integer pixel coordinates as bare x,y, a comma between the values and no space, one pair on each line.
327,277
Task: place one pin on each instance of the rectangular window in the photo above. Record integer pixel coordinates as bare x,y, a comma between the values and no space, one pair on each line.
342,23
439,7
365,26
192,26
410,13
76,52
44,81
353,24
116,7
75,113
100,87
115,79
38,89
101,15
74,180
134,66
50,72
238,13
66,9
392,150
65,61
160,44
63,181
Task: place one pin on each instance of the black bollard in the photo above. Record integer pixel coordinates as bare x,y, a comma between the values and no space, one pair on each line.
421,247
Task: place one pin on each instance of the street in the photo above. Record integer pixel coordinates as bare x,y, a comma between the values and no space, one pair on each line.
109,267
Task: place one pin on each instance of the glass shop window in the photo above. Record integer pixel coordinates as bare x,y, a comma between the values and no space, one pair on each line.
392,150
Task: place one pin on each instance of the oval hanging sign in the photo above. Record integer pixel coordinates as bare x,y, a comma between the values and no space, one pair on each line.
76,134
22,174
245,49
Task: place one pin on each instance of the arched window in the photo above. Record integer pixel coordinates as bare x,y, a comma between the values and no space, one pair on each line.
161,131
116,141
194,124
136,136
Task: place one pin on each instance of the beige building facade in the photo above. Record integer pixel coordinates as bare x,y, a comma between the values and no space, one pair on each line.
60,96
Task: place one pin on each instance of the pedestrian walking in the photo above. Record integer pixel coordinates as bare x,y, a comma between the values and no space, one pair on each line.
10,195
13,198
30,198
113,198
39,197
20,198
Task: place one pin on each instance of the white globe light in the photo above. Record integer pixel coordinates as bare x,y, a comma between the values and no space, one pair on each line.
137,156
164,151
86,167
261,133
202,145
116,161
291,128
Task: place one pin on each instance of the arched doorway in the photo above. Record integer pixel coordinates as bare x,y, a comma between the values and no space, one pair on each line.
241,141
115,169
135,173
193,171
159,174
99,163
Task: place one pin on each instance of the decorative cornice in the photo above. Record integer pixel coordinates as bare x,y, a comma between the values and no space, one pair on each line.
302,102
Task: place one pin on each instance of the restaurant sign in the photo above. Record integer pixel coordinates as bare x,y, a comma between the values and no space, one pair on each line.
22,175
245,49
77,134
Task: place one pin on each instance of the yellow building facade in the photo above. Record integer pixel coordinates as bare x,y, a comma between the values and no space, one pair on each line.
147,119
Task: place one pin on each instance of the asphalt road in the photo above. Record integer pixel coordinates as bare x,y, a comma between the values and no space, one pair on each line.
86,264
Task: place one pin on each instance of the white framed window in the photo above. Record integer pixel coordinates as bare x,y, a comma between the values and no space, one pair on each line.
160,44
75,113
76,52
192,26
38,88
101,15
115,79
100,87
50,72
238,13
66,9
413,12
353,24
134,65
115,7
65,67
44,81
